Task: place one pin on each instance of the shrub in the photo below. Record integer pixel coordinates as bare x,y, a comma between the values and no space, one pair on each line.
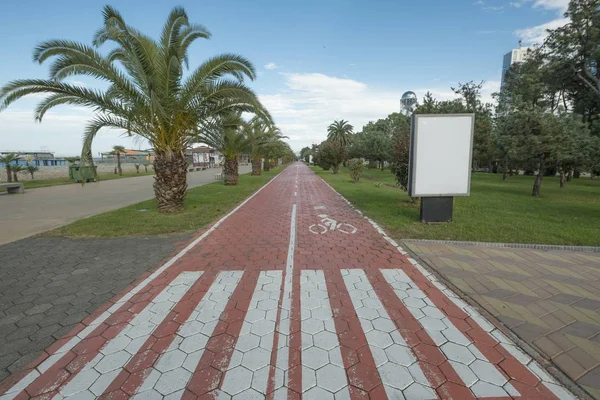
356,168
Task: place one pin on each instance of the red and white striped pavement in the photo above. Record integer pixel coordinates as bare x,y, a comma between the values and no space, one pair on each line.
292,295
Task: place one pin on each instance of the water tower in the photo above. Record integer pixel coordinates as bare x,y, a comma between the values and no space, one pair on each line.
408,102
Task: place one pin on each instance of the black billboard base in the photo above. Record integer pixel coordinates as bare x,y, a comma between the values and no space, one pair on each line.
436,209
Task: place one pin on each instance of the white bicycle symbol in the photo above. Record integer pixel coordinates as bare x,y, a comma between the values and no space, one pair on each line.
329,224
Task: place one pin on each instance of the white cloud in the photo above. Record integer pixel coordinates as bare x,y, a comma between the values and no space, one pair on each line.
516,4
559,5
537,34
311,101
271,65
492,8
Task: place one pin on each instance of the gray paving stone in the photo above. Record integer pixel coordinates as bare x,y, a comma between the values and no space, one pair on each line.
56,282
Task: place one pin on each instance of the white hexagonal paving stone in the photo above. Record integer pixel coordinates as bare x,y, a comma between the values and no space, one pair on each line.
136,344
247,342
416,391
266,341
193,343
433,312
256,358
432,324
313,326
307,341
142,329
260,379
103,382
209,328
311,303
330,325
417,373
267,304
190,328
309,378
172,381
332,378
358,294
465,374
175,395
362,285
384,324
416,312
485,389
379,339
117,344
379,356
400,355
83,384
418,293
315,358
317,393
367,313
255,315
249,394
326,340
456,352
171,360
487,372
263,327
148,395
395,375
112,361
323,313
343,394
237,380
372,303
208,315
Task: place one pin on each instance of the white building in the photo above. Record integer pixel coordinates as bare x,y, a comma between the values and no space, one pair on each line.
514,56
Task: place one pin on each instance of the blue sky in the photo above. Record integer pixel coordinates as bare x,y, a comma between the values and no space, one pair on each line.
317,60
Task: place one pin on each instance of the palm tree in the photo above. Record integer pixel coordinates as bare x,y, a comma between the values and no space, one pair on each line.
146,93
339,132
260,132
117,151
228,136
16,169
6,160
32,169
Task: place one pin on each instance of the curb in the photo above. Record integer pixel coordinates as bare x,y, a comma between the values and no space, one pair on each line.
547,247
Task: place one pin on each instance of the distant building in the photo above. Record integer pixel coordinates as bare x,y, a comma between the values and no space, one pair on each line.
39,158
514,56
132,156
204,156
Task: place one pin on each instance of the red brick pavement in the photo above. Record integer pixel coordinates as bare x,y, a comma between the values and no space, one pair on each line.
293,295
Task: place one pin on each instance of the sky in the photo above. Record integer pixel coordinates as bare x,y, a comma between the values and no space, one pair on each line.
317,60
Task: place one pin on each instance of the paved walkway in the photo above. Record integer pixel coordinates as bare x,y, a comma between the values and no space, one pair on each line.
292,295
40,210
550,299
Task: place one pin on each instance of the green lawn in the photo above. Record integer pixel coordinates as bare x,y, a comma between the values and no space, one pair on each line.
203,205
32,184
496,211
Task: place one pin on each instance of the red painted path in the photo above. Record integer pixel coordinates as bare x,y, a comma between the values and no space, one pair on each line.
292,295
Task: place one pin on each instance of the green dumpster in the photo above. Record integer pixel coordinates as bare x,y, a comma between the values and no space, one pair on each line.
83,172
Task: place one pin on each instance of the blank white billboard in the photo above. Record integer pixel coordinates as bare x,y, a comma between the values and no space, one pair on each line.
440,156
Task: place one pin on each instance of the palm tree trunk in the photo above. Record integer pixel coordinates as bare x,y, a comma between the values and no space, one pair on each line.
170,181
119,163
8,173
256,166
15,177
336,168
562,178
267,165
230,171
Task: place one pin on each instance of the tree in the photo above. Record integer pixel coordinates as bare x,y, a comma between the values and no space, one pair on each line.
15,170
137,167
7,159
401,148
72,160
117,151
32,169
339,132
146,93
355,167
331,155
577,44
146,165
260,132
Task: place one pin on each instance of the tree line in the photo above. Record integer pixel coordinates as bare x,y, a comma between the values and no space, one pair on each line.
545,121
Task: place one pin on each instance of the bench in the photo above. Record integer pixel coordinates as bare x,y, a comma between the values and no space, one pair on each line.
218,176
13,187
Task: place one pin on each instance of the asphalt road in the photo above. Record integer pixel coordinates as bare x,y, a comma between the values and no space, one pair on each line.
40,210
